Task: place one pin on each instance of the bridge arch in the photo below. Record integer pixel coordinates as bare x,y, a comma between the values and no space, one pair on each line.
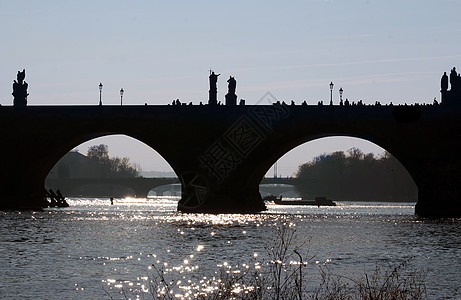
73,170
305,148
221,153
172,189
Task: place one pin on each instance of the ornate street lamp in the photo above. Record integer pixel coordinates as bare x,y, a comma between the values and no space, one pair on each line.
100,93
121,95
340,94
331,93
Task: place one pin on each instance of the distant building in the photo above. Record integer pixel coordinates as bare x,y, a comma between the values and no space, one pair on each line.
75,165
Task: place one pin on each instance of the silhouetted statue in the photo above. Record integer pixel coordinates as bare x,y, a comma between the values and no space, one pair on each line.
231,97
444,82
213,93
232,84
213,81
20,90
454,79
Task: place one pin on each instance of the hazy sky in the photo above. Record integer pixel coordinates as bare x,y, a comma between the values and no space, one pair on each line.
158,51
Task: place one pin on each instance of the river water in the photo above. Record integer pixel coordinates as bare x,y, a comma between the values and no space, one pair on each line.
94,250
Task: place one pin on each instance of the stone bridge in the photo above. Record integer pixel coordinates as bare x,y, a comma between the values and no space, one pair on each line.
220,153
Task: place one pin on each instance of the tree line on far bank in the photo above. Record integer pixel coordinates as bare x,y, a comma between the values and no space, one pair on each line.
96,164
112,167
355,176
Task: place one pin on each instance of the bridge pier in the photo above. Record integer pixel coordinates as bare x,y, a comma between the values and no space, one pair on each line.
160,192
201,194
23,194
439,189
221,202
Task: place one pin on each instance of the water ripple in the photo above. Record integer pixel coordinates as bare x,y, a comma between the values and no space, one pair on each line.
93,248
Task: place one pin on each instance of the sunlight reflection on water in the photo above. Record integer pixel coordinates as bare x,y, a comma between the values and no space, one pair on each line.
70,252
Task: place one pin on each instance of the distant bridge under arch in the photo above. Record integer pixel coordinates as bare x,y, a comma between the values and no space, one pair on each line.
221,153
141,186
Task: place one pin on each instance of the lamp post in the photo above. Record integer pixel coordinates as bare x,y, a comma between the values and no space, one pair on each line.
100,93
331,93
121,95
340,94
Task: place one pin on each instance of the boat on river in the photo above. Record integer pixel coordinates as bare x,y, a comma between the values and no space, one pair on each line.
317,201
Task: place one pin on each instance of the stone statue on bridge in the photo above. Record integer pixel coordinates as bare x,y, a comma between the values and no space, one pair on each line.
213,93
232,84
231,97
20,90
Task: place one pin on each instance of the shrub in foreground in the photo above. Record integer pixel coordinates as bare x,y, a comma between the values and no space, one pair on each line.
283,276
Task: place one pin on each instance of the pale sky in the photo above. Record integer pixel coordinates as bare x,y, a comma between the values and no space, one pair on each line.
157,51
